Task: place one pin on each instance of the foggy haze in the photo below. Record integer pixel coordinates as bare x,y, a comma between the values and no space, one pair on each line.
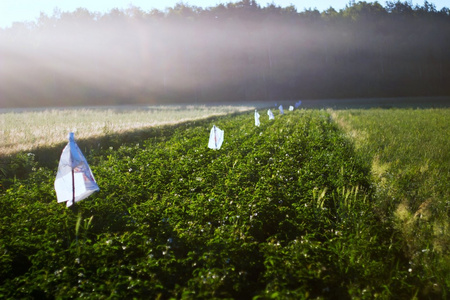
238,55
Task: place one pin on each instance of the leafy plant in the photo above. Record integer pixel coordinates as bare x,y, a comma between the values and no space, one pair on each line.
284,210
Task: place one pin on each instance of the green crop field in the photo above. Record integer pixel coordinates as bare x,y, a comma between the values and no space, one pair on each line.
313,204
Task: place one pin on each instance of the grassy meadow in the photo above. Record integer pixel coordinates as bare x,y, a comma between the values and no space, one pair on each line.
410,154
314,204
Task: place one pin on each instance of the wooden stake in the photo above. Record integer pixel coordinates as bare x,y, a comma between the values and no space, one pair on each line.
73,188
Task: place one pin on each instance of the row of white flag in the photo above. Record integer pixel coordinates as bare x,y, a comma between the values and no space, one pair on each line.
75,181
216,135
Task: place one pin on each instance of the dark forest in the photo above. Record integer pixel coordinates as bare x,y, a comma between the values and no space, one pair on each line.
231,52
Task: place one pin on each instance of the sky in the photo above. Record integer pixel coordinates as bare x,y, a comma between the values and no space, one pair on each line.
29,10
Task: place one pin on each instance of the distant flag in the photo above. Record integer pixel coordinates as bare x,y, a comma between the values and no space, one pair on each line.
256,118
271,117
74,180
281,109
215,138
291,108
298,103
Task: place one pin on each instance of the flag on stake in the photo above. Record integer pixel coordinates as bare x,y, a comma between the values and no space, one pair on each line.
298,103
74,180
271,117
215,138
281,109
256,118
291,108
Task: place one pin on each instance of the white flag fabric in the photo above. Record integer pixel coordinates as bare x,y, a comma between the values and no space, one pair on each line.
291,108
257,123
270,113
215,138
74,180
281,109
298,103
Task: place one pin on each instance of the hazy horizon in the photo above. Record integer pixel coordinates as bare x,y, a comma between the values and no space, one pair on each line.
236,53
29,10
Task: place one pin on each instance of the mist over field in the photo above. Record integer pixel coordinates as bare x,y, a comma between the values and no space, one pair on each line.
233,52
345,202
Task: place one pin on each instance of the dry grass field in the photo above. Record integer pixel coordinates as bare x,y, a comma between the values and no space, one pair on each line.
27,129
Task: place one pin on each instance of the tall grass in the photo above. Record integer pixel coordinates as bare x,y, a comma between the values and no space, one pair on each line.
410,154
23,130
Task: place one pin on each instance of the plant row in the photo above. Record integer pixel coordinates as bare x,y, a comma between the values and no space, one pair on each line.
282,210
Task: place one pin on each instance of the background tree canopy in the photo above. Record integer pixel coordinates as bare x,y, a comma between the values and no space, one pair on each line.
231,52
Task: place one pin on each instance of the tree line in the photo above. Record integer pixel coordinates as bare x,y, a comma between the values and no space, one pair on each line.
230,52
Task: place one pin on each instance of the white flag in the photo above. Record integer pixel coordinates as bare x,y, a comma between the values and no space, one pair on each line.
271,117
281,109
291,108
256,118
215,138
74,180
